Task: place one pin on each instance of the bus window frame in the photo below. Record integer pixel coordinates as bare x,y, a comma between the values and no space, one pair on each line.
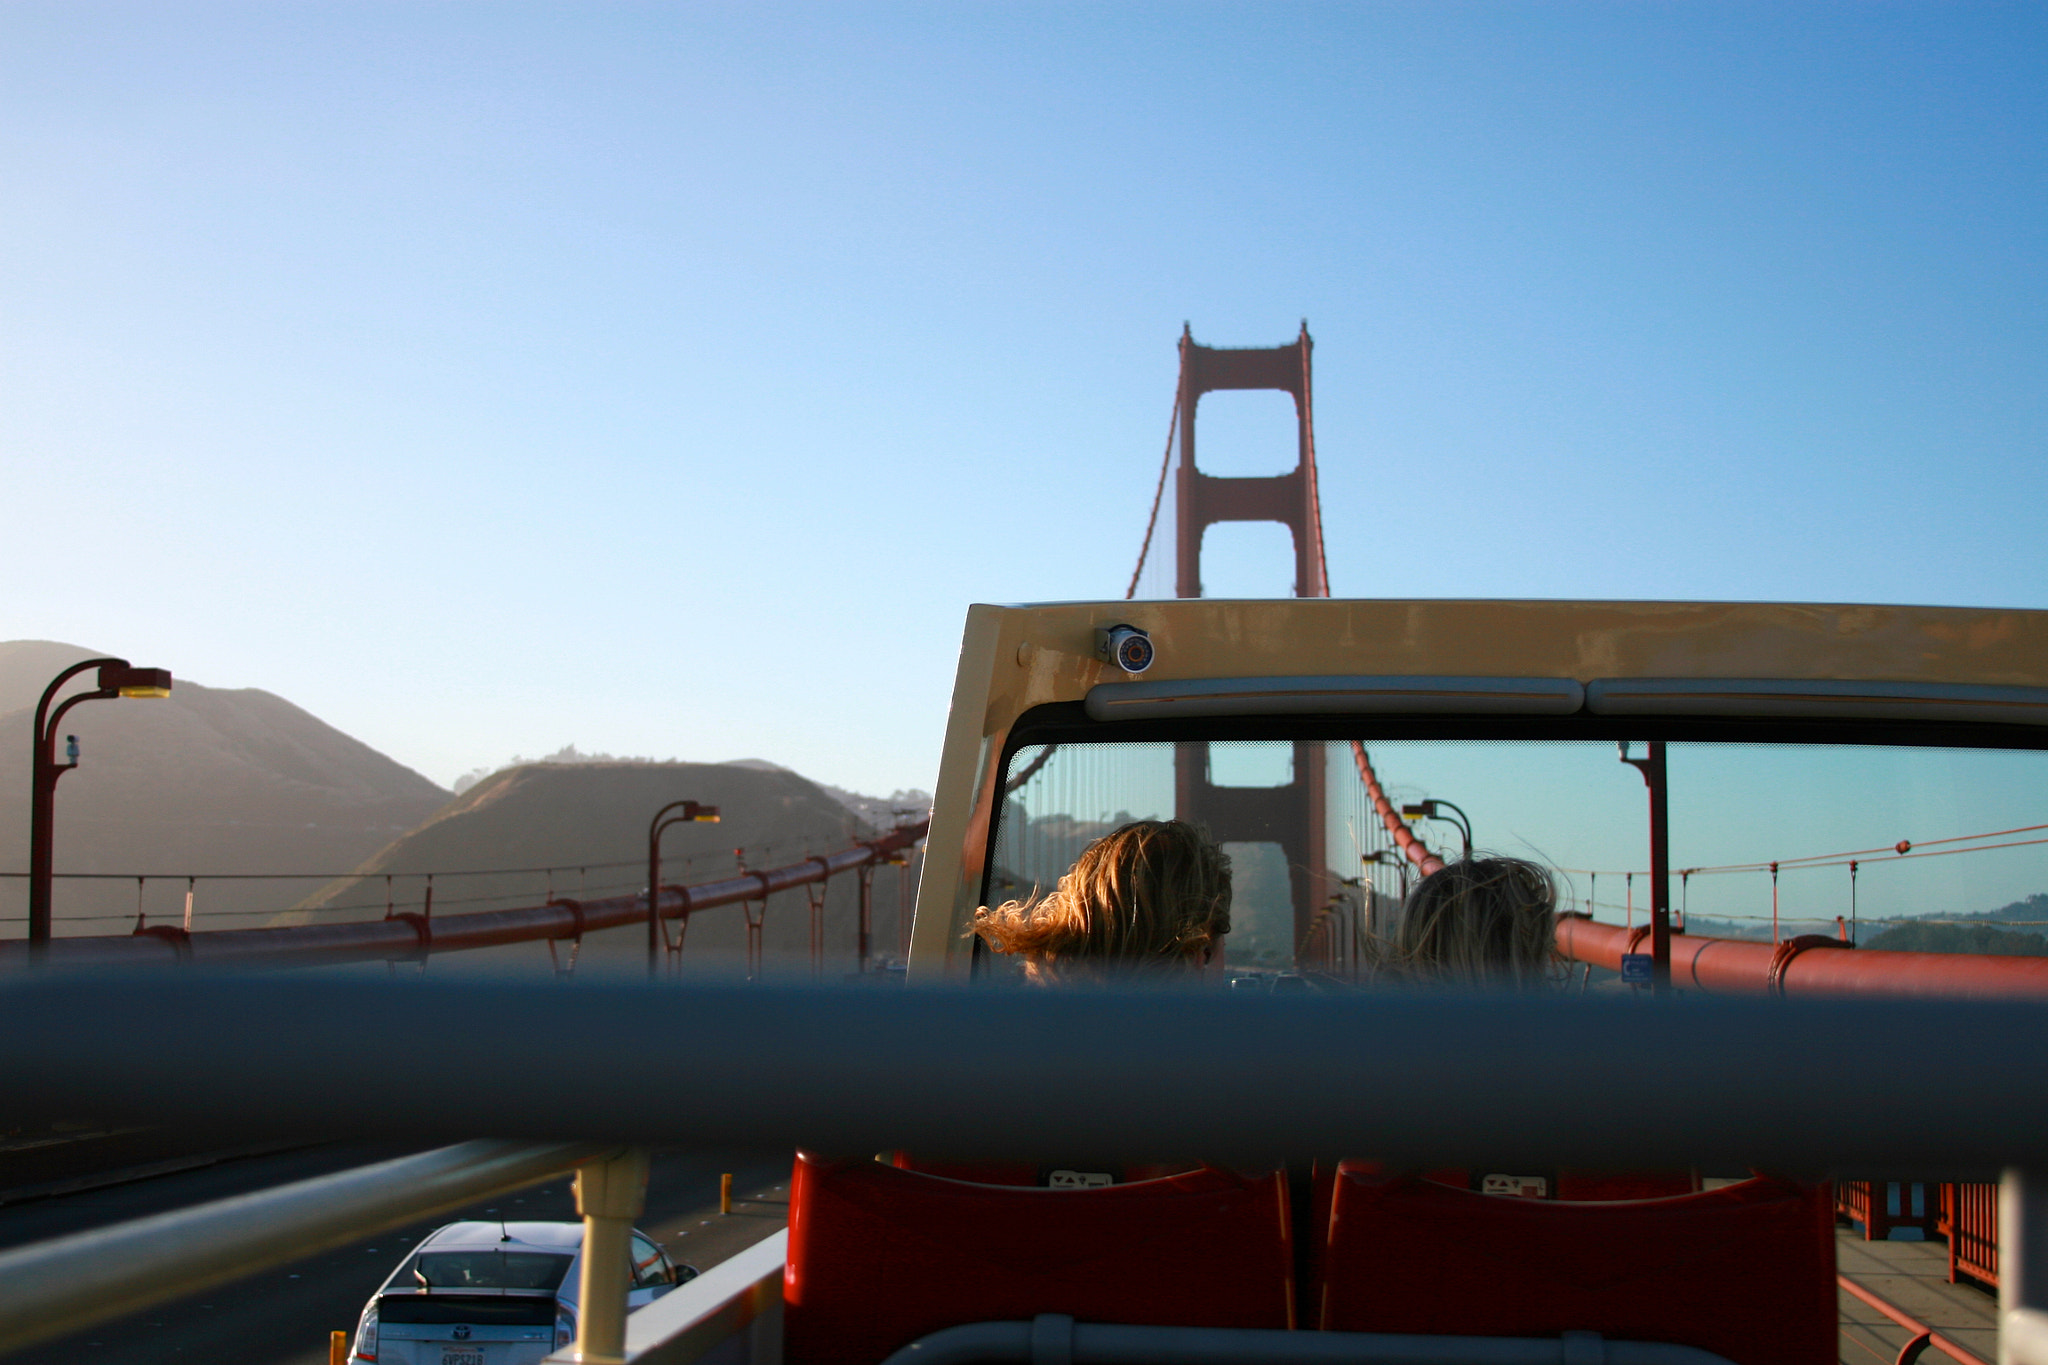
1069,723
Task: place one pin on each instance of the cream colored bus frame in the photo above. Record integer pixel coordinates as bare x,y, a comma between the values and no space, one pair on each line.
1017,657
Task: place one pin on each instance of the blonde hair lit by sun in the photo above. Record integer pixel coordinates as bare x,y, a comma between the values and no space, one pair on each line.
1152,896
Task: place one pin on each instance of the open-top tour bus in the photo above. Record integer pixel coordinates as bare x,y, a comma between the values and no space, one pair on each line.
1727,795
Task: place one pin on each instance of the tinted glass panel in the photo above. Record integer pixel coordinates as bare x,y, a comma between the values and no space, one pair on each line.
1832,817
491,1269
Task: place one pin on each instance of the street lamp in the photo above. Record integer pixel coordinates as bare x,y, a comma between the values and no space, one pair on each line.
118,678
1427,810
1651,766
1389,858
691,813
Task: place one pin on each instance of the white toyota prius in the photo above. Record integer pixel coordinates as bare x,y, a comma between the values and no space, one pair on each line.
493,1294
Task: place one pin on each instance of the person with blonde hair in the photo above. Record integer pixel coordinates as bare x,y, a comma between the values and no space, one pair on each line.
1151,899
1479,922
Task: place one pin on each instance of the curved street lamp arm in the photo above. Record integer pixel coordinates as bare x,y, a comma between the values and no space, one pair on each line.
1464,822
44,720
72,701
654,825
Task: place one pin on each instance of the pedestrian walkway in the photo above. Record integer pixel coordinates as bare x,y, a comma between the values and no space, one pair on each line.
1913,1277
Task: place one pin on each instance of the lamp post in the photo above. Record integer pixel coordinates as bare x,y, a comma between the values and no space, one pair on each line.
1652,768
117,678
1348,886
1427,810
692,813
1389,858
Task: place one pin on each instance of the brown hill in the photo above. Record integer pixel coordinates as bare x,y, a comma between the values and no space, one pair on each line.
581,830
208,780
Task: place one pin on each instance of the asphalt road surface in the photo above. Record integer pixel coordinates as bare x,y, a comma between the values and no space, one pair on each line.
282,1316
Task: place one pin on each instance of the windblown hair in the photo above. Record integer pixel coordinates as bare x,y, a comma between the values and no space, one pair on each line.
1150,897
1479,921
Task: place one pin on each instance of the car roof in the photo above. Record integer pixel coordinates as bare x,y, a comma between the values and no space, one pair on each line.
496,1236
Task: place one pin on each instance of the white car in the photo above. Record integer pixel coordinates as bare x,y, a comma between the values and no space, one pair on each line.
493,1294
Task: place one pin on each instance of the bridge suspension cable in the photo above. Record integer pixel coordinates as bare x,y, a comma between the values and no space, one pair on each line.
1159,496
1412,848
1904,849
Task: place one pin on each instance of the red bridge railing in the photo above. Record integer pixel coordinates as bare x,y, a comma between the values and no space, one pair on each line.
1809,965
413,937
1969,1220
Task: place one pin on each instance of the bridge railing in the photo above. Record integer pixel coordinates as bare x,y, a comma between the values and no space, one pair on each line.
1969,1220
1808,965
413,936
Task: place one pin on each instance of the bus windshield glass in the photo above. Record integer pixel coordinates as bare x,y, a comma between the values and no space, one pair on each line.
1791,838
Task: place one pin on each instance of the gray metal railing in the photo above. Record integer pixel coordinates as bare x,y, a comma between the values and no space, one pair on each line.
1051,1338
50,1288
1727,1082
1443,1078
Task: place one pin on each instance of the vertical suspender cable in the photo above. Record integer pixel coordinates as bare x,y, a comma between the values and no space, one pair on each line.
1774,902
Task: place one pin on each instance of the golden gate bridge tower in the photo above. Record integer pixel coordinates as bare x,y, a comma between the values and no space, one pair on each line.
1291,815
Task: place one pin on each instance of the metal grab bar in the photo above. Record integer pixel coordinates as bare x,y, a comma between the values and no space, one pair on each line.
50,1288
1052,1337
1583,1080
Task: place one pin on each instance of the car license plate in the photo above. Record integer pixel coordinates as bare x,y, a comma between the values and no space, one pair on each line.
463,1353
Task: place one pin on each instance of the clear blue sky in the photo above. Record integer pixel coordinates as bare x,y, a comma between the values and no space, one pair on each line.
668,379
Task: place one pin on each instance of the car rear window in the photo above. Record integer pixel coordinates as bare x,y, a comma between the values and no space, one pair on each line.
490,1269
525,1310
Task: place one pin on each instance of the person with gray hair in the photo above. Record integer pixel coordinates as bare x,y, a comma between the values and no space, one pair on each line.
1488,921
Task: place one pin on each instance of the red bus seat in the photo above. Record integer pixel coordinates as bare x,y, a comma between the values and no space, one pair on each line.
1746,1271
878,1256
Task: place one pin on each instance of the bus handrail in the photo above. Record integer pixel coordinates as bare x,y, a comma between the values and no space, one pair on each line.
63,1285
1055,1337
1592,1080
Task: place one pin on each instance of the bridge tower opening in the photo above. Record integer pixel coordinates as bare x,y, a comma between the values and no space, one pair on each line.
1291,815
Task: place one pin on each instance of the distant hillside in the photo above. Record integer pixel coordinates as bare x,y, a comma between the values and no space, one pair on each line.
574,818
206,780
1937,931
1916,937
1702,927
879,811
2032,911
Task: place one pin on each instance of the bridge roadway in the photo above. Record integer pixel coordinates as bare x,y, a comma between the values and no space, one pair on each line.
283,1316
